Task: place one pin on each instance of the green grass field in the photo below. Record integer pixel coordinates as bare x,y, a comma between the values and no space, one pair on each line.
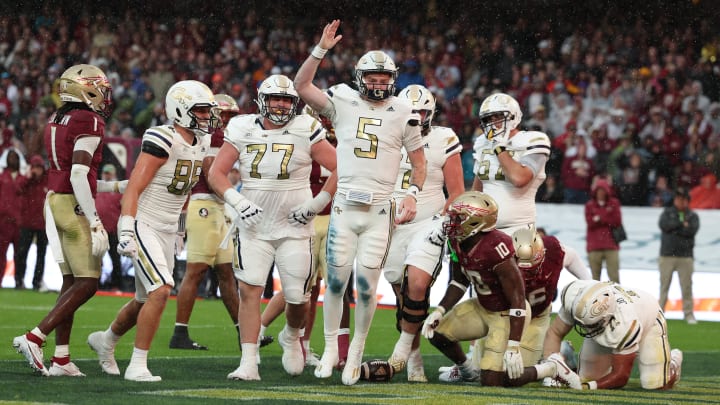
191,377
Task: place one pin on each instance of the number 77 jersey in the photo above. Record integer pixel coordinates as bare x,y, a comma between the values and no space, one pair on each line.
162,200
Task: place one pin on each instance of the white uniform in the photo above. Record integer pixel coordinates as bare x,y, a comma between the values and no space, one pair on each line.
440,144
638,327
160,204
275,167
517,204
370,136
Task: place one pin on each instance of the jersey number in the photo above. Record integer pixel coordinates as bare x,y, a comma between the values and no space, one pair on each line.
536,296
483,171
371,152
260,148
187,174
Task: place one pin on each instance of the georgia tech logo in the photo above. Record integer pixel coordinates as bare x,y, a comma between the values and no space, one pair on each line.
337,210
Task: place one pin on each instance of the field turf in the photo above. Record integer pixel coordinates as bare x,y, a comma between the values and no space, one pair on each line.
191,377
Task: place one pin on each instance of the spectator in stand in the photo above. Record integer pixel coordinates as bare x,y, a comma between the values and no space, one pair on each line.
10,181
602,213
695,99
32,191
655,127
632,182
689,175
699,126
108,207
410,75
577,174
706,195
661,196
679,225
538,122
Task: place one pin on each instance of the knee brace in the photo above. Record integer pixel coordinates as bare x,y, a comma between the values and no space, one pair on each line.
410,304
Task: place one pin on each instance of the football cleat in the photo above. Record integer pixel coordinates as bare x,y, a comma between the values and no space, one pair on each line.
265,340
469,373
141,374
676,356
106,356
32,352
450,374
397,363
415,368
351,372
184,342
245,372
68,370
327,362
292,357
312,359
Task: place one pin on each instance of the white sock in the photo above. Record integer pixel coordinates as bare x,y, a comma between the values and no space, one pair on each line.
333,304
403,345
138,359
111,337
416,357
62,351
292,333
36,331
249,353
262,331
306,345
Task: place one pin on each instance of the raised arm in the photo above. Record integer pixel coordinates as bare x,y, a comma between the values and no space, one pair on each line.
310,93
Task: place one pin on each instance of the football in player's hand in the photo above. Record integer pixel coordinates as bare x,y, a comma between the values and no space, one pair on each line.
376,371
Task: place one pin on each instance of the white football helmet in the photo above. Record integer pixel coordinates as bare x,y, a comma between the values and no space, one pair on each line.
87,84
499,114
423,100
375,62
529,249
185,95
280,86
592,304
471,212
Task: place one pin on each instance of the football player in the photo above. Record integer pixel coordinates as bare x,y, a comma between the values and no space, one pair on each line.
274,212
619,325
484,257
371,126
206,227
169,165
509,163
77,237
414,261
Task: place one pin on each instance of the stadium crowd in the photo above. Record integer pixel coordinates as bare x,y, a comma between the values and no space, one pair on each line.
633,99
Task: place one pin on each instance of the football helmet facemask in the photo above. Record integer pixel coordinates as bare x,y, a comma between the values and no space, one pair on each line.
279,86
471,212
422,100
227,107
87,84
529,249
592,304
183,97
499,114
375,62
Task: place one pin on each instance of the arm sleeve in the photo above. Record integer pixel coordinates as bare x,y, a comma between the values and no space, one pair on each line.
81,189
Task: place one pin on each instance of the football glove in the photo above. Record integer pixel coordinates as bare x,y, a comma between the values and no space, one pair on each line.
99,238
512,360
247,212
432,322
563,373
437,235
303,214
126,237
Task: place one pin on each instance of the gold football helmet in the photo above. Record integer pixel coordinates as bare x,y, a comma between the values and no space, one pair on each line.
470,213
227,108
87,84
529,248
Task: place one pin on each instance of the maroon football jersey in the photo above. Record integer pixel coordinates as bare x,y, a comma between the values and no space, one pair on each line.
478,265
216,141
541,283
60,141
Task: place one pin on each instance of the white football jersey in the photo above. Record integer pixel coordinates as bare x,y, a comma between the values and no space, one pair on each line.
517,204
275,167
440,143
637,312
160,204
370,135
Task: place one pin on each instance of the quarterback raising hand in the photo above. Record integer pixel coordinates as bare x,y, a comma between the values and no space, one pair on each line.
329,39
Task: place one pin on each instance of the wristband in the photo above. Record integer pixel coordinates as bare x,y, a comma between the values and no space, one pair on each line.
413,191
499,149
126,223
441,309
318,52
232,197
512,343
520,313
590,385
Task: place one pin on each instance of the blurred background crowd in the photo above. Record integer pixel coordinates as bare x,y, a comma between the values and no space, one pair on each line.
627,91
